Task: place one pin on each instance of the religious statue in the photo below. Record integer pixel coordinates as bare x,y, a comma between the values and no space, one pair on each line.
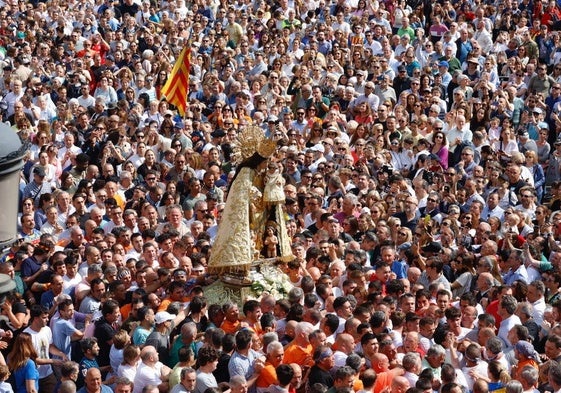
253,208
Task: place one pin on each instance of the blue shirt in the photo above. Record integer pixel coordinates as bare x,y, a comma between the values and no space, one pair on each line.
242,365
62,336
85,365
104,389
519,274
27,372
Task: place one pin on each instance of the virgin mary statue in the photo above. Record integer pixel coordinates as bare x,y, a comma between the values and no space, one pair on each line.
246,215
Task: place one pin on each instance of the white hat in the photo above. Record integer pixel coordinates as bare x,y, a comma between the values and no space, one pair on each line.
163,316
318,147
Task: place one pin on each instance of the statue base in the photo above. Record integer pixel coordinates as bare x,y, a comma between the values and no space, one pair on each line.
236,288
220,292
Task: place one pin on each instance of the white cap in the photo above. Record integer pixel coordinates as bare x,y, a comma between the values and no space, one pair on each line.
163,316
318,147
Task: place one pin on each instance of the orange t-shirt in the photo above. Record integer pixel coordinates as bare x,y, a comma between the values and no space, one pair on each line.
229,327
384,380
358,385
125,311
296,354
522,364
167,301
267,376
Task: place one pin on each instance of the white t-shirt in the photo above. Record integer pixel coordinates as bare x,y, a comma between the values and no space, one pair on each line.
42,340
146,375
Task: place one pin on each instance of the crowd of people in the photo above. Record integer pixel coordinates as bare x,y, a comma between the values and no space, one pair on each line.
419,165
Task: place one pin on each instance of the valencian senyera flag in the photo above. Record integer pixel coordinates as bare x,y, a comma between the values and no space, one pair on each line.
176,88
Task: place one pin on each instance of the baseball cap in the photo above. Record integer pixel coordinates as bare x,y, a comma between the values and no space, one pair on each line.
432,247
321,354
218,133
163,316
318,147
444,63
404,246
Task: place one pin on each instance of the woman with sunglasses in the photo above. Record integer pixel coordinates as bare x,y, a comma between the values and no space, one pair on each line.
440,145
463,270
313,134
401,158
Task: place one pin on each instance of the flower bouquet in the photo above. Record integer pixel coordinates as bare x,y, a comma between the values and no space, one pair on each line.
270,279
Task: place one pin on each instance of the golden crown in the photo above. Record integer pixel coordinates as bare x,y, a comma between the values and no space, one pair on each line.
252,140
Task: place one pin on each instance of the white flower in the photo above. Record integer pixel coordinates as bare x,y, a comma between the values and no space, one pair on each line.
270,280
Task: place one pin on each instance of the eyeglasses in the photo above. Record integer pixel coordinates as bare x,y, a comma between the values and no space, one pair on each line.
402,233
432,200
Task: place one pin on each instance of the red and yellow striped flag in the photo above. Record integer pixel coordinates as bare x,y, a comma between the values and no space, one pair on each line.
176,88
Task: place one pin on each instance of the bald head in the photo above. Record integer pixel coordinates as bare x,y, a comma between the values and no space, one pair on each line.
93,377
485,281
399,384
413,274
345,343
380,362
484,335
147,354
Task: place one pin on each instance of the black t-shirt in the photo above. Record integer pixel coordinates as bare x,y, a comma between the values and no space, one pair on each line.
130,9
317,375
104,333
221,373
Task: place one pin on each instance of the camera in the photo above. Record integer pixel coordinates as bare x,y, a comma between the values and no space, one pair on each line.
387,169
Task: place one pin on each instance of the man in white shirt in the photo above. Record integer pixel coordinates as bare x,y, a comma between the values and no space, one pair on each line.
492,208
507,308
68,150
151,371
536,291
474,365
